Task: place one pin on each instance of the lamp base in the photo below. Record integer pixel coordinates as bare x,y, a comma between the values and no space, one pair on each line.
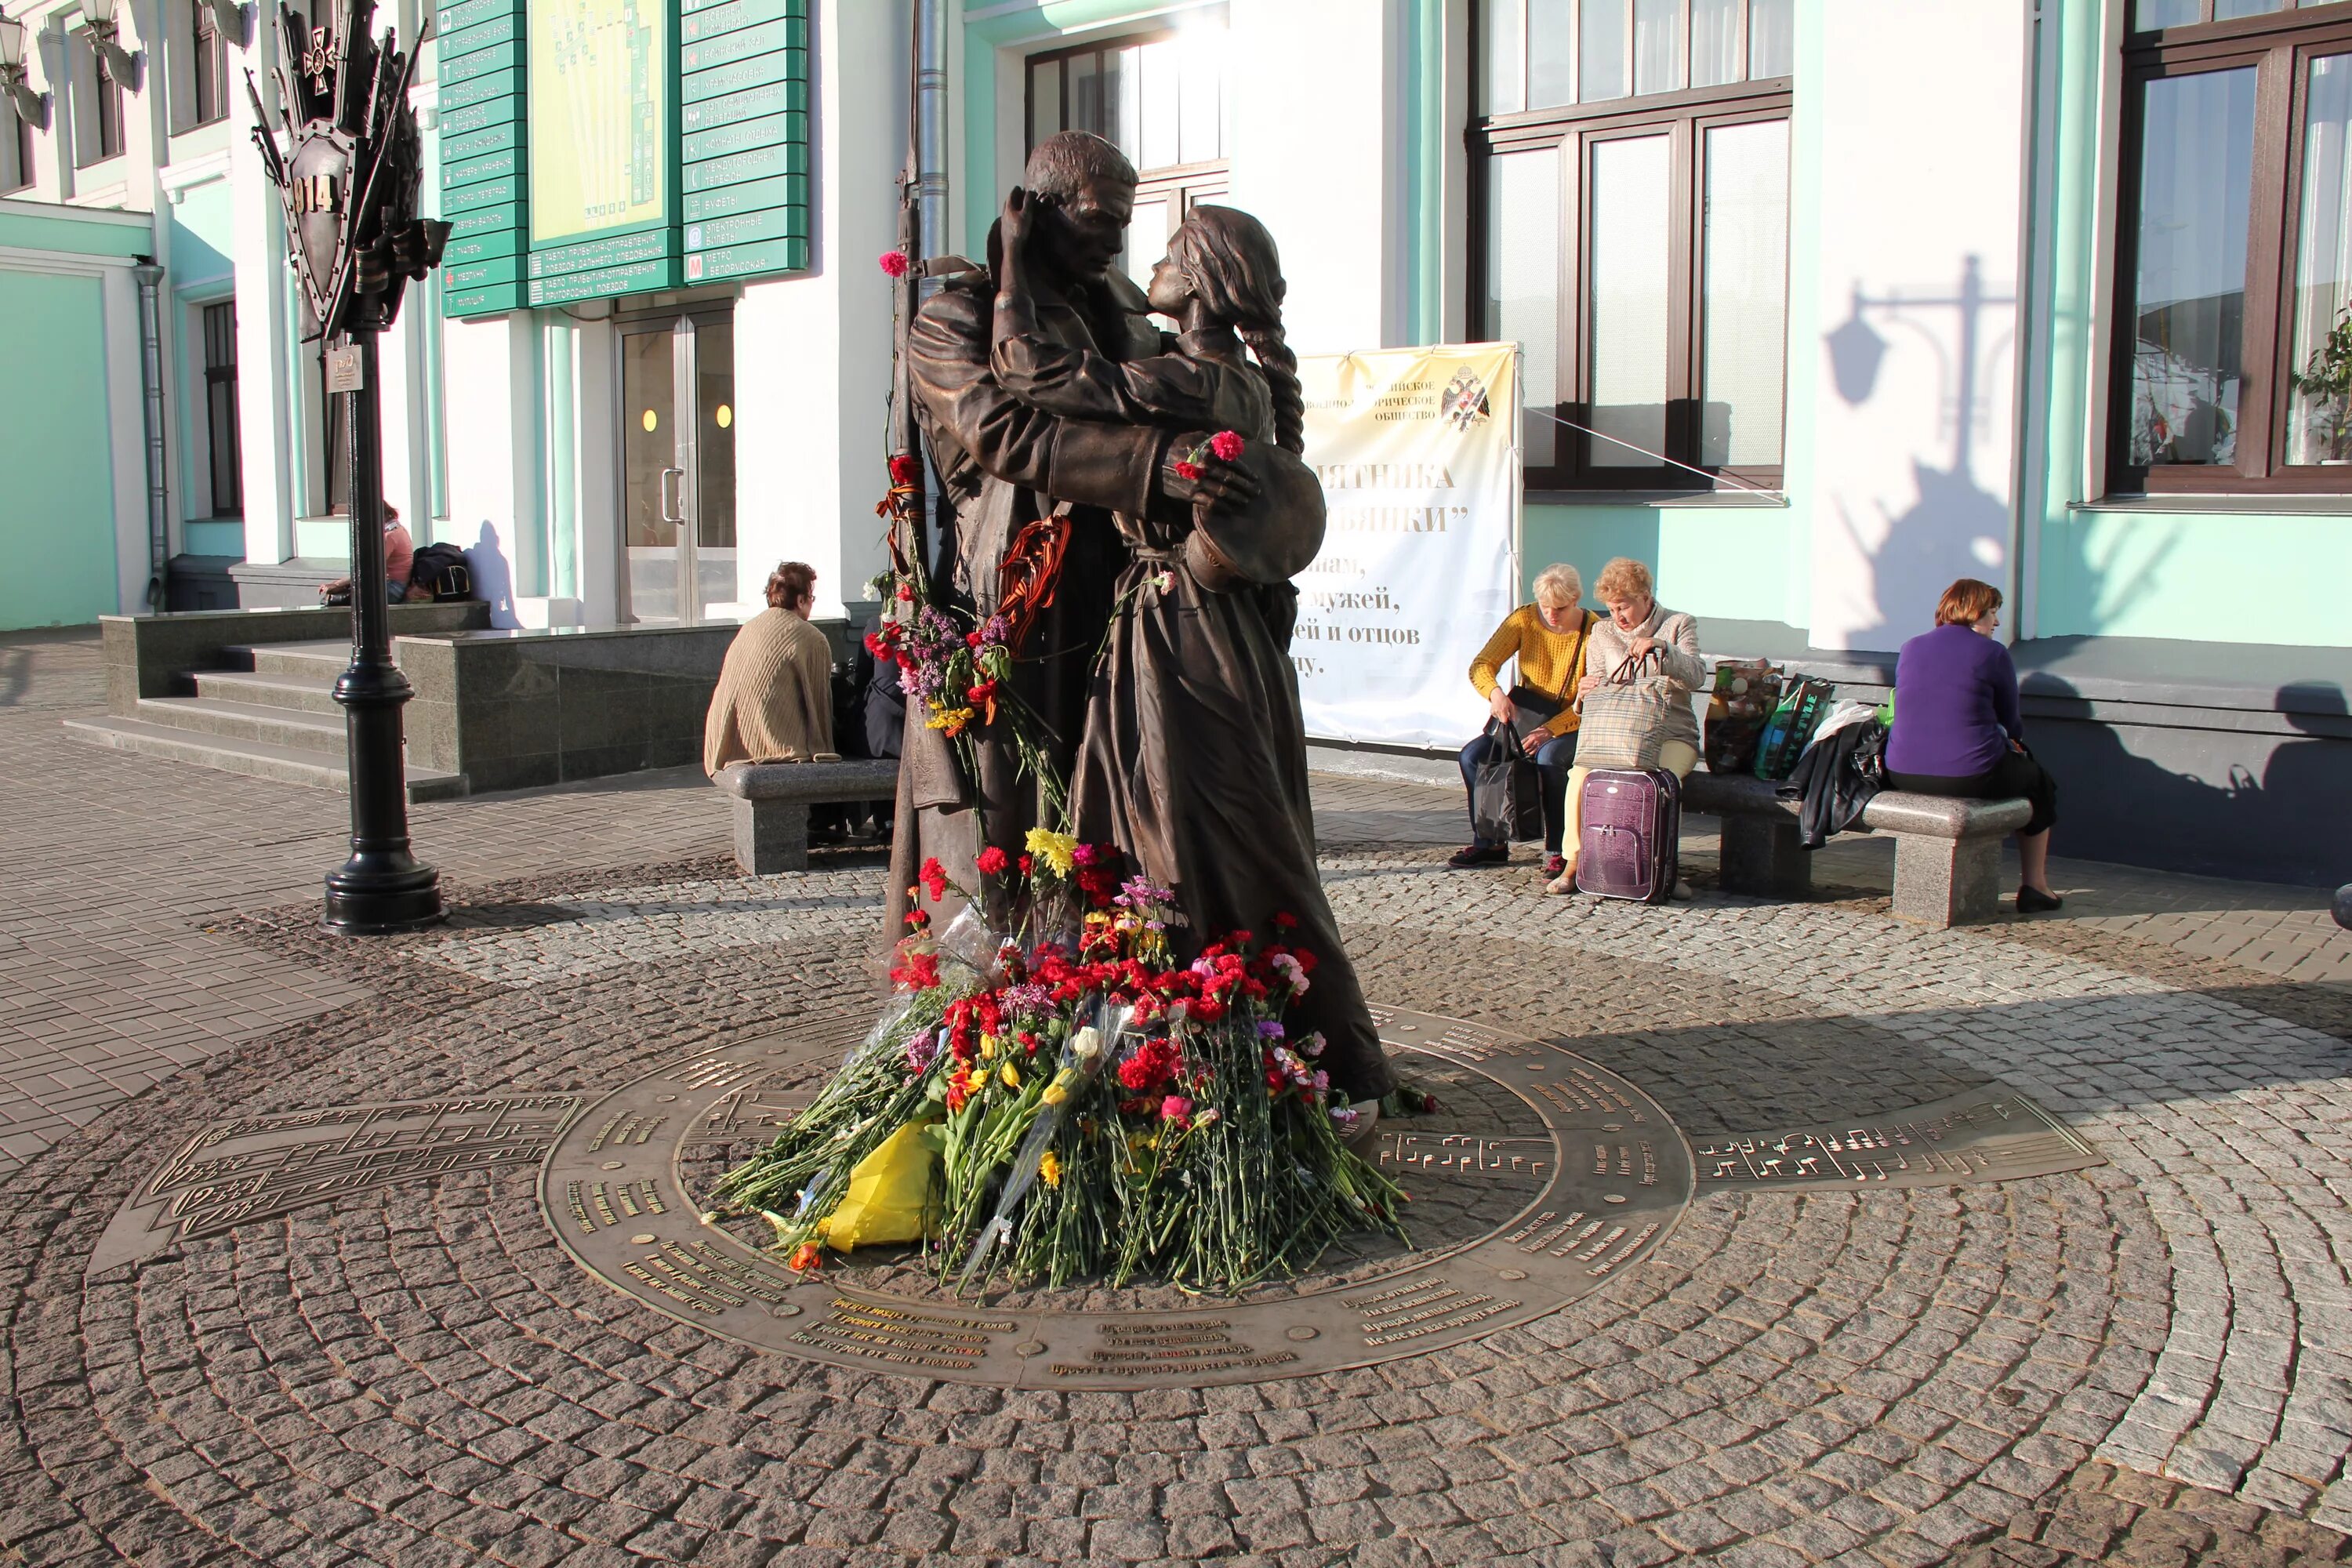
381,895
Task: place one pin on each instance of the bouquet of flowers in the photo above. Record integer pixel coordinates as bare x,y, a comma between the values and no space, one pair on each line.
1070,1102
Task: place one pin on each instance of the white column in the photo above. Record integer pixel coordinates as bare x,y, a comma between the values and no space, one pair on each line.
490,381
268,412
813,353
401,398
596,477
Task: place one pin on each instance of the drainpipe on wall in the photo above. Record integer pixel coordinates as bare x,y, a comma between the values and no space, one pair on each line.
931,125
151,402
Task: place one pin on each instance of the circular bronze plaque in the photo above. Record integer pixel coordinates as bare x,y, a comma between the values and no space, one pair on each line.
1538,1175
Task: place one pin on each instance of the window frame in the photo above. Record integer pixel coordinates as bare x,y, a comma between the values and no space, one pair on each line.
1183,186
2280,45
21,153
208,47
1683,116
221,393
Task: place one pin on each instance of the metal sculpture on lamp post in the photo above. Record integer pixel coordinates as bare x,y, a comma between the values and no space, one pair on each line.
347,177
31,106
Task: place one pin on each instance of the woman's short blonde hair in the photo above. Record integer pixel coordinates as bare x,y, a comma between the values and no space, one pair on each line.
1622,580
1560,584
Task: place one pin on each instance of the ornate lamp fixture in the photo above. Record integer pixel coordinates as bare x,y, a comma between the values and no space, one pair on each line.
31,107
122,65
347,177
230,17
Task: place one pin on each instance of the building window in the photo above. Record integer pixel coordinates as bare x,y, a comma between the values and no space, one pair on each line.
15,153
97,113
1632,168
209,61
220,410
336,449
2235,256
1160,97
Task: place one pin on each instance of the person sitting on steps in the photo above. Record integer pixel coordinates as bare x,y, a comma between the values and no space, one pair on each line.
1957,731
399,558
1548,637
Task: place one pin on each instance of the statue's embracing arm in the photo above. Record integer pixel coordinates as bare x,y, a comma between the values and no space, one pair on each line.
1086,462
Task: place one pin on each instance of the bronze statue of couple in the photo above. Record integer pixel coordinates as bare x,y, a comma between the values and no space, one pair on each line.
1067,427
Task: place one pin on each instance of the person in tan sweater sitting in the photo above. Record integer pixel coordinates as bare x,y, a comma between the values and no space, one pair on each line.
774,699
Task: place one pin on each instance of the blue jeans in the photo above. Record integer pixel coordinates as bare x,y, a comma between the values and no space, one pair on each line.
1553,758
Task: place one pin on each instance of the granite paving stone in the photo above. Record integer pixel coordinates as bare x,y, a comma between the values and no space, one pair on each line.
2147,1361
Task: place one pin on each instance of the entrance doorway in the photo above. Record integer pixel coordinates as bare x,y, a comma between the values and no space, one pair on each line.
677,464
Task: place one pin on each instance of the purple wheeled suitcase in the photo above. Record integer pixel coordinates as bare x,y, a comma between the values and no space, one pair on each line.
1629,846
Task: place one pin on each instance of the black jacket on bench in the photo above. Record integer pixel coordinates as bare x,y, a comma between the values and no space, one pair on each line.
1837,776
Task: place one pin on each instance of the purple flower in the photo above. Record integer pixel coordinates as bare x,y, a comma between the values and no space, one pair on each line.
1269,1029
923,1049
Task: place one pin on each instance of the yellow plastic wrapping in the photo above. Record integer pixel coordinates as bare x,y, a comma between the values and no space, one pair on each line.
888,1191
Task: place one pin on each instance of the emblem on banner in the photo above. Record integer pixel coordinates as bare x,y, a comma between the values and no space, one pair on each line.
1463,402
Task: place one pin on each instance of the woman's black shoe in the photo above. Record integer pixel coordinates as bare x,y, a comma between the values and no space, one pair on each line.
1479,854
2034,901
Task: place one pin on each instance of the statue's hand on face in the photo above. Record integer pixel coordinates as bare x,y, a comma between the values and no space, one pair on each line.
1081,236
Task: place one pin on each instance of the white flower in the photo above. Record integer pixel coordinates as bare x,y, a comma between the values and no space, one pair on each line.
1087,1044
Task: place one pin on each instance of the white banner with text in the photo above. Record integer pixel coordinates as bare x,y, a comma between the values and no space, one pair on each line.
1418,452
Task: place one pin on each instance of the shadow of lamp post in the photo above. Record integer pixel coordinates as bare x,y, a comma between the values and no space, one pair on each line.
32,107
346,160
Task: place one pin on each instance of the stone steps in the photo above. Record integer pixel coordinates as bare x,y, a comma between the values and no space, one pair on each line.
290,692
270,714
255,758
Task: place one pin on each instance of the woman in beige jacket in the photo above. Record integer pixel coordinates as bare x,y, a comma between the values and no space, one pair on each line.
774,699
1636,623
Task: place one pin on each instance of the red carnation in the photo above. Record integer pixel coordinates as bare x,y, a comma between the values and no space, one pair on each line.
935,880
895,263
906,592
1284,921
1187,469
1226,445
992,861
902,465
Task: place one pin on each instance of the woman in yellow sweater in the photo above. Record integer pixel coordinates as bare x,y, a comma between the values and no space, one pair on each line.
1548,638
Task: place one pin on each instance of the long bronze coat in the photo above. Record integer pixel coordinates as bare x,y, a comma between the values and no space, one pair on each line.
1005,463
1194,760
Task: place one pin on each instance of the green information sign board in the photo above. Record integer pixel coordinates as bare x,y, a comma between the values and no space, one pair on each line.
592,148
484,155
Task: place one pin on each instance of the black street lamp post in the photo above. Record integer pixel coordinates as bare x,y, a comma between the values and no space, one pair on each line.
348,180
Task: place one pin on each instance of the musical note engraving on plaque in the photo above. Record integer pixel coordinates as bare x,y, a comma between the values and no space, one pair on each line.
256,1167
1991,1134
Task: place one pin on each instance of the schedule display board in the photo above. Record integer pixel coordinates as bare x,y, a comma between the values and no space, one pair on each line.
603,113
484,153
744,136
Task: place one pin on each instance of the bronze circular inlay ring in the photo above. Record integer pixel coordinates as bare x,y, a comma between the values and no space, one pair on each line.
1538,1175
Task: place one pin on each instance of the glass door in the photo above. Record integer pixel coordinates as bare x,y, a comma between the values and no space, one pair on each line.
678,466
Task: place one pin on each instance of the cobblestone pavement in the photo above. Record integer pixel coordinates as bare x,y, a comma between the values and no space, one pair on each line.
2147,1362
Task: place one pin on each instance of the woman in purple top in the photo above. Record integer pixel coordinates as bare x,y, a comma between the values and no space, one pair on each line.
1957,729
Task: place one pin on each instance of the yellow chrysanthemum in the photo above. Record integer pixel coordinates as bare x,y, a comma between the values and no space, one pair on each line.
1049,1169
1058,850
952,719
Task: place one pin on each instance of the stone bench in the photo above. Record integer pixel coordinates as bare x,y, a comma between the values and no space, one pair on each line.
1947,852
771,803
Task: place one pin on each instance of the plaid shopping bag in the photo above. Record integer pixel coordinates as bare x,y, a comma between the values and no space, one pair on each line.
1625,717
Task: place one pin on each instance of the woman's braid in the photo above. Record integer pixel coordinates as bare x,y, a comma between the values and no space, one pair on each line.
1281,367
